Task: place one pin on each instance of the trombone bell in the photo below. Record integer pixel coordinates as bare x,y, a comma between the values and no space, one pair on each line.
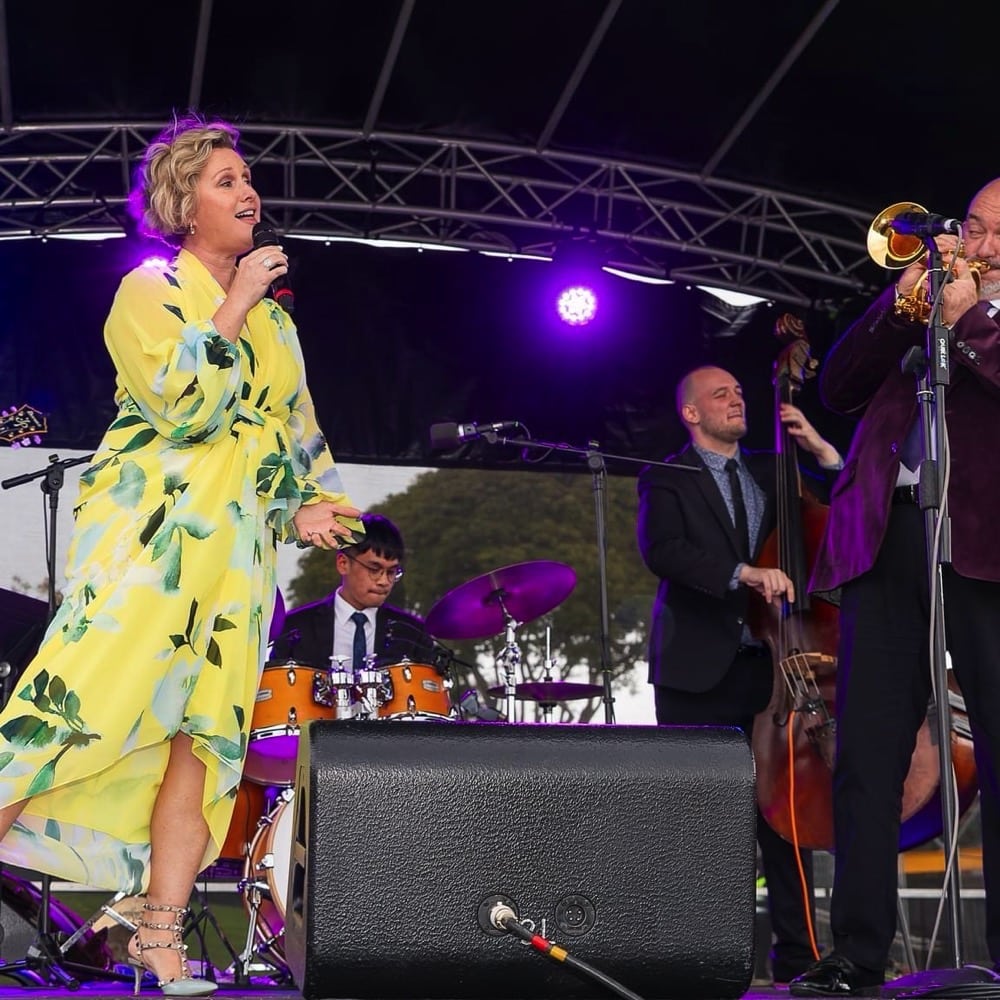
889,248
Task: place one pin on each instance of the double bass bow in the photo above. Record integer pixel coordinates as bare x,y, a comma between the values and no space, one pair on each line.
794,737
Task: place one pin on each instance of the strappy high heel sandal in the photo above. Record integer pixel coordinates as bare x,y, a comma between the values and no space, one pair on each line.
121,911
183,985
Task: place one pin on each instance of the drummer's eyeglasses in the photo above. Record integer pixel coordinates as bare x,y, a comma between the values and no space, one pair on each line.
391,573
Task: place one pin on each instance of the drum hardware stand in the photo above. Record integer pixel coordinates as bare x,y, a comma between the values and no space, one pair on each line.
243,963
510,655
595,462
547,706
342,682
195,925
44,954
254,890
372,686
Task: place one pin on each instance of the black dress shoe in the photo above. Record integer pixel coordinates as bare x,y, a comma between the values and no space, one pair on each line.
782,973
836,976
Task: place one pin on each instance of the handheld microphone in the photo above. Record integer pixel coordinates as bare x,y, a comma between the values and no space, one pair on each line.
281,289
451,435
923,224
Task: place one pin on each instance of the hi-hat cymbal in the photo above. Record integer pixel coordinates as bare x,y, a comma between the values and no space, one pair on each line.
551,691
475,610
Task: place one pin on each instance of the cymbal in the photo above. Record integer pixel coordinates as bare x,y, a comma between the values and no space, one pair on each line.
475,610
546,691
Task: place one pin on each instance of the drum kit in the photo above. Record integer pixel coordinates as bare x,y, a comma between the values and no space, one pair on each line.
292,693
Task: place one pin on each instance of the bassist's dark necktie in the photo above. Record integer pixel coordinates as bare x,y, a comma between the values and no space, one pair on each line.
739,509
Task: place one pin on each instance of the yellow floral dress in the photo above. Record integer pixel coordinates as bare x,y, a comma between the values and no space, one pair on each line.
171,579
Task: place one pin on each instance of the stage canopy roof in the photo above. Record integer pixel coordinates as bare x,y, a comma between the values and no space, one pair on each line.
742,146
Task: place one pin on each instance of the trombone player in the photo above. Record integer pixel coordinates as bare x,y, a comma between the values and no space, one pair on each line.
875,551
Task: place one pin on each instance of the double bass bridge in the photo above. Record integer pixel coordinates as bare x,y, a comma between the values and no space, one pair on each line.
803,673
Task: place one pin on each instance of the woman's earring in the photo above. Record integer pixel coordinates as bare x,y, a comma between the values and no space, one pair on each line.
191,228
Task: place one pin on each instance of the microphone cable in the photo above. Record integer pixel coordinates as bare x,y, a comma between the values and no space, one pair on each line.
504,918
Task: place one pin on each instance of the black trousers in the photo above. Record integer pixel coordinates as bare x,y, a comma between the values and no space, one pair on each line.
883,687
740,695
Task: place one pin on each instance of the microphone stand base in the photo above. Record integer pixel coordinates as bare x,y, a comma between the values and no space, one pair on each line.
967,982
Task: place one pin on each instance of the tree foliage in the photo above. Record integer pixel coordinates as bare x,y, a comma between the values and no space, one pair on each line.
459,524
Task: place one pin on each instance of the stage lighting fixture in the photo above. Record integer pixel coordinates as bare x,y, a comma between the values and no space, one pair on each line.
577,305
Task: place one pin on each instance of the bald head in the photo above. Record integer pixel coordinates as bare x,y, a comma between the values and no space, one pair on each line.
982,236
710,405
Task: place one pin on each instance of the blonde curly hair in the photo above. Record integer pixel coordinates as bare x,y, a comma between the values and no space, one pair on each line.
164,195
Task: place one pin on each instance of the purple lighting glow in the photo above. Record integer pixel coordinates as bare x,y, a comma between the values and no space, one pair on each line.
157,262
577,305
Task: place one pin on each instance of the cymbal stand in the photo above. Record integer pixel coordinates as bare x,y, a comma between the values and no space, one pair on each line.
510,655
596,464
42,958
547,706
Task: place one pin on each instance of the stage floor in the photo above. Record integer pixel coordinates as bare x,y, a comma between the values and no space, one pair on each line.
119,991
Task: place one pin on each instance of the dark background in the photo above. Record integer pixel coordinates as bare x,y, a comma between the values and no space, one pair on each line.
856,105
397,340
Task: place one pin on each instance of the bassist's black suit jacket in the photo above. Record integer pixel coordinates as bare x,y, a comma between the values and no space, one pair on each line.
688,540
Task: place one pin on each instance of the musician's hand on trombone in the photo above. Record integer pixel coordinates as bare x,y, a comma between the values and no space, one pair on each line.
771,583
807,436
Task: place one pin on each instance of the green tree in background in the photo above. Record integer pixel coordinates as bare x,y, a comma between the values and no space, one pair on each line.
461,523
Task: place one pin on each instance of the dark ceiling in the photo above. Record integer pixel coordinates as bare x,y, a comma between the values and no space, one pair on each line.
831,101
860,103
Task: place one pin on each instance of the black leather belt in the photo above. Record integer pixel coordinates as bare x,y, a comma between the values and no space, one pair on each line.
906,494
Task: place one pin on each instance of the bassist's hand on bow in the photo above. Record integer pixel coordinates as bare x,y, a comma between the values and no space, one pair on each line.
771,583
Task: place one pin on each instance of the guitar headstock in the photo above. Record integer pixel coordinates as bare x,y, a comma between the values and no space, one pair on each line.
22,426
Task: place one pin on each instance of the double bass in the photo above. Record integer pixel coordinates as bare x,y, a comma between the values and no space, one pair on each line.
794,737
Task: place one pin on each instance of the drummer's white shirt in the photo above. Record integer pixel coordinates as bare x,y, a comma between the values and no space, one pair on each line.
343,629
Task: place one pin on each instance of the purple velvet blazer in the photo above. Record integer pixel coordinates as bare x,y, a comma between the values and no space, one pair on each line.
861,375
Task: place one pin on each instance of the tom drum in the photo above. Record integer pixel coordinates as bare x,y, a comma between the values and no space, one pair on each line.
289,694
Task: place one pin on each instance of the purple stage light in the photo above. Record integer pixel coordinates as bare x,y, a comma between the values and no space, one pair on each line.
577,305
158,262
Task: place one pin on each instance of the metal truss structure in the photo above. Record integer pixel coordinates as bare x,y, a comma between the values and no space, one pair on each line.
74,179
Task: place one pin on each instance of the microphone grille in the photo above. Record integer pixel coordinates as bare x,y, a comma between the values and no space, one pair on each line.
264,236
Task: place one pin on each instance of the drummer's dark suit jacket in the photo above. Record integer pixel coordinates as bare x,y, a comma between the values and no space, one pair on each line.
687,539
308,636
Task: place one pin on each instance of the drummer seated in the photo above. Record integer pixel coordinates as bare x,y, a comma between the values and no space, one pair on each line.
325,631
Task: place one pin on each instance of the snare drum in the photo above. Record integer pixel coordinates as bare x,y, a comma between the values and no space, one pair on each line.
270,862
289,694
415,691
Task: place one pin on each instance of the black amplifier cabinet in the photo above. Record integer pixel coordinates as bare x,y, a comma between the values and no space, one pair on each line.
632,847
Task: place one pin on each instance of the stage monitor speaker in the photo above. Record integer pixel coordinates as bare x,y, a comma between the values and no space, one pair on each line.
632,847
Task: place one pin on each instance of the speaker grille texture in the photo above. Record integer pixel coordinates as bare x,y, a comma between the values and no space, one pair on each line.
630,846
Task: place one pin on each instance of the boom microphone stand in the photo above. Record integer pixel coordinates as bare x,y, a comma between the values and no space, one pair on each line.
596,464
931,368
42,959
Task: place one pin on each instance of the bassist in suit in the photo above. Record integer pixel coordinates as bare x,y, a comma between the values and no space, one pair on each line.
699,532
